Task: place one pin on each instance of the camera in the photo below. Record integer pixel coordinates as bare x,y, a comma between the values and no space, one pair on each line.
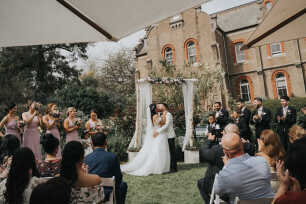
56,114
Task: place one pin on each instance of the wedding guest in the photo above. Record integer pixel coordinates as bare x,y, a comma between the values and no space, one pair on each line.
269,147
11,122
285,118
261,117
301,121
55,190
293,180
296,132
94,124
52,123
106,164
242,175
213,128
85,187
50,167
23,177
71,125
245,112
10,144
221,115
31,135
242,123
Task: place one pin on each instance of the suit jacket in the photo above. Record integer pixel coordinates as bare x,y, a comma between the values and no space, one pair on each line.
244,128
105,164
289,120
223,118
168,127
246,113
262,124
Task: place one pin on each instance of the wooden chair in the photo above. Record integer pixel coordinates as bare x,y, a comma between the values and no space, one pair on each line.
110,182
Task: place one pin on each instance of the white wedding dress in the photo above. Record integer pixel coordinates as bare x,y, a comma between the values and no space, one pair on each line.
154,156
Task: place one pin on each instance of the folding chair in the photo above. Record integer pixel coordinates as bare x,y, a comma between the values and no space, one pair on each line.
110,182
215,198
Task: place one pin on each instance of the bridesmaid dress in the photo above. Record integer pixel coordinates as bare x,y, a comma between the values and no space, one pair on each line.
55,132
74,135
31,137
11,128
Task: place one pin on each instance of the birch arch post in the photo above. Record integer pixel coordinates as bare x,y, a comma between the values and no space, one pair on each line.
144,99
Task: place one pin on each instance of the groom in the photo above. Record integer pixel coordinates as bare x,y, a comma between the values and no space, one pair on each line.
168,129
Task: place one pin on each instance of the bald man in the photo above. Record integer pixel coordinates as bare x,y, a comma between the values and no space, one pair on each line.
242,175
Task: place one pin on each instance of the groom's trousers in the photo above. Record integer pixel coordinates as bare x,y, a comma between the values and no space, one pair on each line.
173,166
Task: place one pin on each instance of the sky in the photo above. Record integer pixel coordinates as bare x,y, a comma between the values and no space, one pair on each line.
98,52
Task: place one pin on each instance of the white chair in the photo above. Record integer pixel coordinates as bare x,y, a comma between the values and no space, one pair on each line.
215,198
110,182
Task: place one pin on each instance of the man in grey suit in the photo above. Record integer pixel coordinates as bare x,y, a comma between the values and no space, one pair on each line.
163,109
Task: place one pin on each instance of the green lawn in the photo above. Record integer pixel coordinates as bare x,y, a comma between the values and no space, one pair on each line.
174,188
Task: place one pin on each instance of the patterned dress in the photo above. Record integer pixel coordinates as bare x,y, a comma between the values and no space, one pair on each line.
49,168
55,132
11,128
31,136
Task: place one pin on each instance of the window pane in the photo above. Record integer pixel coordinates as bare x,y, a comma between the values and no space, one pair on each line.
281,85
191,52
245,90
240,55
275,48
168,55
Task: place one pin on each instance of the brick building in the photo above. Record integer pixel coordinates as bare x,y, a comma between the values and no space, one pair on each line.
194,38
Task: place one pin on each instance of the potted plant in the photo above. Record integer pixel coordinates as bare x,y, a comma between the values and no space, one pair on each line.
132,152
192,154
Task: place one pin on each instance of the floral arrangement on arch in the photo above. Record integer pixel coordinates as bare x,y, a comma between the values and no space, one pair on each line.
166,80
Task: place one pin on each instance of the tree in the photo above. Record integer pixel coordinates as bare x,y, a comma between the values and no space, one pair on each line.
36,72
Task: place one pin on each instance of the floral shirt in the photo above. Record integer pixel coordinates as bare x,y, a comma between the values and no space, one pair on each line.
49,168
87,195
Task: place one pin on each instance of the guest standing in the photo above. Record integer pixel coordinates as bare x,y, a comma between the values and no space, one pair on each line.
94,124
11,122
245,112
261,117
213,128
285,118
221,115
31,135
71,125
52,123
242,123
50,167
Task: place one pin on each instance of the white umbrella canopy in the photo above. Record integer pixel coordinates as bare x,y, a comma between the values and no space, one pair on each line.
34,22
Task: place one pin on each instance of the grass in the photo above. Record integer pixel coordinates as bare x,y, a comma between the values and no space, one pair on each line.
174,188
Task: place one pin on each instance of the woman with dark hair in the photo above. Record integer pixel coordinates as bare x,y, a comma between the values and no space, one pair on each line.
71,125
22,178
55,190
52,122
31,135
50,167
11,122
76,172
9,146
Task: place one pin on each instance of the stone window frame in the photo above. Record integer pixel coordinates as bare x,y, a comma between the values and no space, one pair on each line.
269,53
196,43
234,42
267,1
287,77
173,52
251,88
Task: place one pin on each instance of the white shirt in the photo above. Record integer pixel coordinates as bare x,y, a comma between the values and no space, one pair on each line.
285,109
168,127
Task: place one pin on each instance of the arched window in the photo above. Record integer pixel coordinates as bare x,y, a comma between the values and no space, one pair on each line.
268,5
281,84
192,51
245,90
168,54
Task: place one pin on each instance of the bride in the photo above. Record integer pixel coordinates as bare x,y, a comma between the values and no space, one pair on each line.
154,156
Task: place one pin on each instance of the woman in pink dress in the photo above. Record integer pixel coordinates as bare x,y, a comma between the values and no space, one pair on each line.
71,125
31,135
11,122
52,122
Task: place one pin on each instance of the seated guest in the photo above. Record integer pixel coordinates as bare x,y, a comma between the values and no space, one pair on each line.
269,146
213,128
10,144
106,164
242,175
293,180
50,167
55,190
85,187
242,123
296,132
23,177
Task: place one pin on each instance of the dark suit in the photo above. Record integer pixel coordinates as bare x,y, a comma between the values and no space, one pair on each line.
222,118
106,164
283,126
214,129
263,123
246,114
244,128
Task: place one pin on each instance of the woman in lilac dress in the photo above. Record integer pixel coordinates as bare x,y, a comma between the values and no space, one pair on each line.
31,135
71,125
11,122
51,122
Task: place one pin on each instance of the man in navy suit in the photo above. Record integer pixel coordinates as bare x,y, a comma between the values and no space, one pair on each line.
285,118
106,164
